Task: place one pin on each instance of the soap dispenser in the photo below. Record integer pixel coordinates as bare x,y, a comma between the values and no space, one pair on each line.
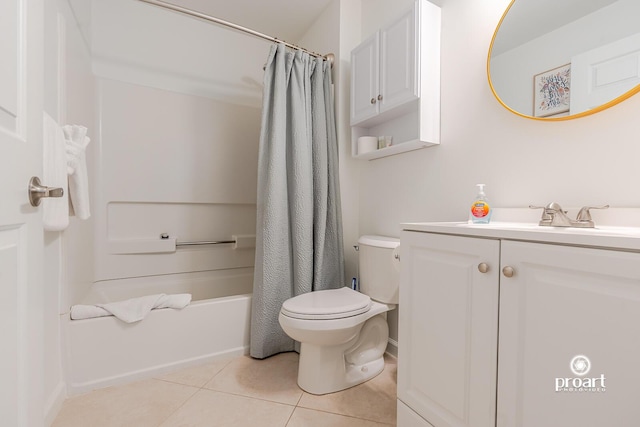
480,208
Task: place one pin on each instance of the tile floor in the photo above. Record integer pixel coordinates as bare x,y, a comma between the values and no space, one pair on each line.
236,393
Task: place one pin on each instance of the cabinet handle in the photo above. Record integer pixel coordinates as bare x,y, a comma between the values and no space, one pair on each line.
373,100
483,267
508,271
379,97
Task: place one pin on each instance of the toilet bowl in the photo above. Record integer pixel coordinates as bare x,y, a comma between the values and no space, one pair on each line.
343,333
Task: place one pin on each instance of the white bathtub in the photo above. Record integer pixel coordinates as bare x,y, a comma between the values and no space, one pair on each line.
105,351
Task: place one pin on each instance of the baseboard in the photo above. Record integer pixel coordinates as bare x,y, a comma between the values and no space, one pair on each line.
54,403
79,388
392,347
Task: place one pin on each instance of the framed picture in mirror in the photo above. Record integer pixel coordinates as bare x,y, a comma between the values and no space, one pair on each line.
551,91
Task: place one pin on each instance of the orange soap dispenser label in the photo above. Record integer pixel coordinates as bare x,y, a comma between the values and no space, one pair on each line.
480,209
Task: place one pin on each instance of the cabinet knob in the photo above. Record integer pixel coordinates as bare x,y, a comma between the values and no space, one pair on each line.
373,100
483,267
508,271
379,97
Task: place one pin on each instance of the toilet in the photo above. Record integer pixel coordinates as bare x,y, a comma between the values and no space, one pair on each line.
343,333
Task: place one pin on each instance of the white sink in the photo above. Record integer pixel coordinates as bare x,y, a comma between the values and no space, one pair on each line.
525,226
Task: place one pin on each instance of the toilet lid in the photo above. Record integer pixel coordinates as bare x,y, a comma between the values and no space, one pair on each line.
327,304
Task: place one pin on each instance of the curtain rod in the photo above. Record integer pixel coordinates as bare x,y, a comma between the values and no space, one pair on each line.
329,57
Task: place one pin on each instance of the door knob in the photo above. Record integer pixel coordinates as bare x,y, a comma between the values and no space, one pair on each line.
373,100
483,267
37,191
508,271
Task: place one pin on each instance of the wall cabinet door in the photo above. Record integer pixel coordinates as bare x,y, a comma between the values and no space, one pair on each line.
448,323
563,302
398,61
365,69
383,69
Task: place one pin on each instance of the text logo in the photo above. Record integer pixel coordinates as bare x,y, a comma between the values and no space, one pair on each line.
580,366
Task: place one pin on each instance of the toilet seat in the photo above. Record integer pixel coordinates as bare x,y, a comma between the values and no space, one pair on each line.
327,304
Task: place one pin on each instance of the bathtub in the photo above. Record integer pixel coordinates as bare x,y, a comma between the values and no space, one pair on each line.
105,351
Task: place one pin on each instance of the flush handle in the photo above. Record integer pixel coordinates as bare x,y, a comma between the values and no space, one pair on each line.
37,191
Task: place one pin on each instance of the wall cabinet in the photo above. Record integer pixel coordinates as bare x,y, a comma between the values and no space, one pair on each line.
384,70
395,83
556,303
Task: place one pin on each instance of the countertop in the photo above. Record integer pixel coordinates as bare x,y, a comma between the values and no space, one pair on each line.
610,237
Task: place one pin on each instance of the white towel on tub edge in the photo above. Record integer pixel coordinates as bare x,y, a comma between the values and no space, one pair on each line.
131,310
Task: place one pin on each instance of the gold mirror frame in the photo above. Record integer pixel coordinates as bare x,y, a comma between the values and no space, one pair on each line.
602,107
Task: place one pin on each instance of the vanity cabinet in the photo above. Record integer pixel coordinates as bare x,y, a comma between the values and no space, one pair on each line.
395,83
495,348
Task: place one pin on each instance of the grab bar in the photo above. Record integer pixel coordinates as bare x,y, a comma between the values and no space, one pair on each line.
241,241
218,242
165,236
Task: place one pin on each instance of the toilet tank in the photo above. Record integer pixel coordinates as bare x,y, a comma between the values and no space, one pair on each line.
379,268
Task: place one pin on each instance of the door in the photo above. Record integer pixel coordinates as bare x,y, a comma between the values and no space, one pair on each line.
21,232
448,328
569,337
398,62
603,74
365,63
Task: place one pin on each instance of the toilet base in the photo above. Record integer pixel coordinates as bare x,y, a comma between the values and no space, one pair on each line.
328,369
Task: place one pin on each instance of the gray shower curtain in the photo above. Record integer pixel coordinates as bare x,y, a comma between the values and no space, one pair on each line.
299,225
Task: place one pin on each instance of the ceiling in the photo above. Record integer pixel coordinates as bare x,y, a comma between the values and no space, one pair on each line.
529,19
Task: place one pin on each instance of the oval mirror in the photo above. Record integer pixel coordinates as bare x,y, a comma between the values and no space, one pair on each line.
559,60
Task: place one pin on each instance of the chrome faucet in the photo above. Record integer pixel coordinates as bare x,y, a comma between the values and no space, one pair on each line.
554,216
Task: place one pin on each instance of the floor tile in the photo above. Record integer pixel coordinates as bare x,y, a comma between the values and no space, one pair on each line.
140,404
196,376
237,393
309,418
214,409
373,400
273,379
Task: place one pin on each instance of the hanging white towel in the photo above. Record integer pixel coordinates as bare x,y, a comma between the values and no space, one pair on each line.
55,210
76,144
131,310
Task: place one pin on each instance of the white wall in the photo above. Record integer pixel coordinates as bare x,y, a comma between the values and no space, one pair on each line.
69,100
522,161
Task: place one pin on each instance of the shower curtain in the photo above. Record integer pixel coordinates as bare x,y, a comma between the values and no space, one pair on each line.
299,225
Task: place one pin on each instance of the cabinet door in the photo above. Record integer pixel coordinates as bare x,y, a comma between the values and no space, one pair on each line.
365,63
448,328
398,54
563,302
